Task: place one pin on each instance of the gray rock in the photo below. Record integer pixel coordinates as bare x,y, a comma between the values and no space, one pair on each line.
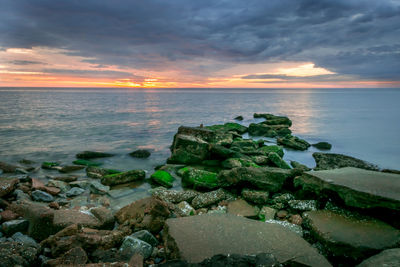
357,187
327,161
64,187
213,234
42,196
75,191
84,184
303,205
266,178
98,188
20,195
240,207
21,238
145,236
255,196
290,226
267,213
140,153
218,210
351,236
322,145
209,198
131,246
387,258
11,227
299,166
174,196
184,209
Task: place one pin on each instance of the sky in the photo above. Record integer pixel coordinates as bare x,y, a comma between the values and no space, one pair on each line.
207,43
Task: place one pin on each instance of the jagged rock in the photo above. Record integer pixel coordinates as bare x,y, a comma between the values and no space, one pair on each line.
278,161
73,257
7,185
92,155
387,258
11,227
124,177
163,178
327,161
266,213
17,254
213,234
255,196
209,198
264,178
322,145
293,142
42,196
199,179
148,213
140,153
146,236
184,209
131,246
174,196
351,236
357,187
240,207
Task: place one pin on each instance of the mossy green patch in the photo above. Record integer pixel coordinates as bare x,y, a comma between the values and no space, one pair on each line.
268,149
49,165
86,162
229,126
199,179
163,178
278,161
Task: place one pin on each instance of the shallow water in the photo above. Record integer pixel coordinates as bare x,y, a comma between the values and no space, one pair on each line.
55,124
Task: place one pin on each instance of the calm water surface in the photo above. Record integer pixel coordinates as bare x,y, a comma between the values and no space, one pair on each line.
55,124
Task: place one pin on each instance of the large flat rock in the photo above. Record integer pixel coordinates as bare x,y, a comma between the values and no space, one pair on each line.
357,187
354,237
199,237
387,258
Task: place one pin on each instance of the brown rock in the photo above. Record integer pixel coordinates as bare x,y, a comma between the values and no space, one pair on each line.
39,185
105,217
296,219
8,167
148,213
8,215
136,260
282,214
7,186
241,208
75,256
67,179
54,205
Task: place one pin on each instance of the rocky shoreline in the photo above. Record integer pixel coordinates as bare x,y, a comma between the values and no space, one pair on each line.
242,205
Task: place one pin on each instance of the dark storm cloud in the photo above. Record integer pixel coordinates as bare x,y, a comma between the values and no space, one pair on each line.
352,37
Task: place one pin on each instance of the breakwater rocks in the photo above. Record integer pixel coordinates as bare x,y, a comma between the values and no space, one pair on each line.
219,200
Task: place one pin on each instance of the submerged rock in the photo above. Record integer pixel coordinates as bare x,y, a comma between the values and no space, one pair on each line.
8,168
93,155
50,165
357,187
124,177
265,178
239,118
322,145
213,234
327,161
163,178
140,153
71,168
39,195
86,162
293,142
350,236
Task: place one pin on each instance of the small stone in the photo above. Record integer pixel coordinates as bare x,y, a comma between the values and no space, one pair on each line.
303,205
7,186
140,153
50,165
67,179
75,191
131,246
54,205
39,195
92,155
266,213
11,227
64,187
239,118
296,219
145,236
322,145
20,195
184,209
282,214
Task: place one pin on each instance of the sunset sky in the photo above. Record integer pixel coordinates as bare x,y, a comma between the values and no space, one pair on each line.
207,43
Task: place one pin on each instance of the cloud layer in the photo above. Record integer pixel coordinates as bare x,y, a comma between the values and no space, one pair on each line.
358,38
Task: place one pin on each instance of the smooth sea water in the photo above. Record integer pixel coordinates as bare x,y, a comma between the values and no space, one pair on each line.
53,124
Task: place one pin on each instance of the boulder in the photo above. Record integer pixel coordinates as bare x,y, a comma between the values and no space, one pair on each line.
174,196
131,245
7,185
240,207
293,142
92,155
387,258
214,234
265,178
199,179
277,161
351,236
145,236
140,153
327,161
322,145
17,254
163,178
265,150
148,213
228,127
124,177
261,129
209,198
188,149
356,187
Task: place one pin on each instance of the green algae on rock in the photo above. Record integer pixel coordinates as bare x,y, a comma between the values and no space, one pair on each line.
199,179
278,161
229,126
163,178
322,145
293,142
260,129
124,177
265,150
326,161
86,162
50,165
93,155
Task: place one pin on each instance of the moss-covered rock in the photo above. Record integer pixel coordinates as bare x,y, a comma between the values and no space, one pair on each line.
50,165
327,161
260,129
188,149
199,179
124,177
239,118
273,119
97,172
93,155
163,178
86,162
238,162
140,153
228,127
322,145
278,161
299,166
293,142
211,163
265,150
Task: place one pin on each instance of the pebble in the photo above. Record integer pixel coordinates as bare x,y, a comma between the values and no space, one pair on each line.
39,195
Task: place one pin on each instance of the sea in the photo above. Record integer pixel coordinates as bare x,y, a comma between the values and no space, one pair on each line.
54,124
